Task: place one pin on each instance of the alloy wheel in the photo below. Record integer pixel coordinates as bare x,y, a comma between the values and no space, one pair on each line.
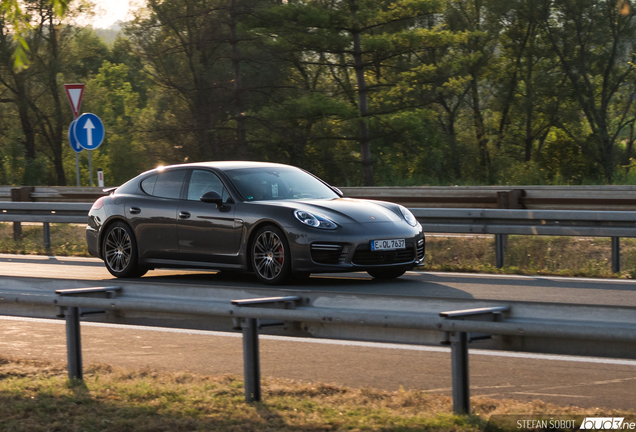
118,249
269,255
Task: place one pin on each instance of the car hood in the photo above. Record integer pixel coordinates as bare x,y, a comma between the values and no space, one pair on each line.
346,210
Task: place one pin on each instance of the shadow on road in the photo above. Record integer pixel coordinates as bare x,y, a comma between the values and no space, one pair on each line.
529,281
351,283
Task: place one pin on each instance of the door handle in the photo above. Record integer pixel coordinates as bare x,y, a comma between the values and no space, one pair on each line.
134,210
184,215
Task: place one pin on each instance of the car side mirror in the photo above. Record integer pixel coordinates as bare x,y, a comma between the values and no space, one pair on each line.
212,197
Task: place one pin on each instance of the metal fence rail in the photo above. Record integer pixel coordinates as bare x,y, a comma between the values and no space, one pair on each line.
45,212
516,326
506,197
509,197
614,224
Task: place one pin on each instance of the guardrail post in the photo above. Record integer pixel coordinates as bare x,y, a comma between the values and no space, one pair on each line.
506,200
17,226
21,194
251,361
616,254
47,236
459,350
73,335
250,326
73,343
459,369
500,249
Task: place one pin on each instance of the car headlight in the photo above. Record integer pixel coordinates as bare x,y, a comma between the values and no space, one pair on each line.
314,220
408,216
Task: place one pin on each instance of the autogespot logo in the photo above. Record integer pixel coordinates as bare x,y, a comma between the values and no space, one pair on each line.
606,423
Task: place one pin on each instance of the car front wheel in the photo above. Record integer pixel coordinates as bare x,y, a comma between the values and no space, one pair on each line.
271,259
120,252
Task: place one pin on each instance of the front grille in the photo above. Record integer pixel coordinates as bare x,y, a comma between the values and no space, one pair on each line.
365,256
328,253
420,249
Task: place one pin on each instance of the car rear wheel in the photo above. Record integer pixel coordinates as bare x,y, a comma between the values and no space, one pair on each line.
120,252
384,274
271,259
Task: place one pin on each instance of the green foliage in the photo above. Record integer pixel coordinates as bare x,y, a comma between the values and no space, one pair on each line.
456,92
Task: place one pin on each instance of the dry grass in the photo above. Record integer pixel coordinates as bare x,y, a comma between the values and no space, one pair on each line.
66,240
37,396
534,255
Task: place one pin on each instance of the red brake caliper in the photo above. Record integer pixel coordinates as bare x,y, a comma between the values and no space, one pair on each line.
280,252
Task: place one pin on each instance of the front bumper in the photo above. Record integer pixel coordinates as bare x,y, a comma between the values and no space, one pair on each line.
92,241
348,249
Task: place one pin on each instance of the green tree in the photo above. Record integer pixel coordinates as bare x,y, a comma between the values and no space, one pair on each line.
18,23
113,99
363,52
594,42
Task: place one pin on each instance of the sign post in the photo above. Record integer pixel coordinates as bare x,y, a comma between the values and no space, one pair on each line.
74,92
88,130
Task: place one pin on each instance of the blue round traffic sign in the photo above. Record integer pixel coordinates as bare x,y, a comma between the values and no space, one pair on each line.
71,137
89,131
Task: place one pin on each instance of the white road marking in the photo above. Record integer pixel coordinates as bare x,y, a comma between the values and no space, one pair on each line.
477,352
526,277
550,394
344,275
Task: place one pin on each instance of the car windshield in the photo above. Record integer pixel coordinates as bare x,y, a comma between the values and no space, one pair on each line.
278,183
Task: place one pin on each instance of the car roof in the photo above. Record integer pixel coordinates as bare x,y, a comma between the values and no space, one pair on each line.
228,165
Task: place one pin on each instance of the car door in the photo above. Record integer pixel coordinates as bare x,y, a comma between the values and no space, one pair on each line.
153,214
207,232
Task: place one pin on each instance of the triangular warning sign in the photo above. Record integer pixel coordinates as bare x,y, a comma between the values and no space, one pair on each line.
74,92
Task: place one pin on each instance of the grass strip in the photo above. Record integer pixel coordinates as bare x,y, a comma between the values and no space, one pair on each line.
529,255
37,396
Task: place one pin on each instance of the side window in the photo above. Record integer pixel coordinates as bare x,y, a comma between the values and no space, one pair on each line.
205,181
168,184
148,185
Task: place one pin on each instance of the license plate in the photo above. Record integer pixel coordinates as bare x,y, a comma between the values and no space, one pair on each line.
392,244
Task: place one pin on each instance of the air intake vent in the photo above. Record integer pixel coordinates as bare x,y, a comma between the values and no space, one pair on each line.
327,253
421,249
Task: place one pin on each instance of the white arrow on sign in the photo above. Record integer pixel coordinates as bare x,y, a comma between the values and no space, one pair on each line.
89,126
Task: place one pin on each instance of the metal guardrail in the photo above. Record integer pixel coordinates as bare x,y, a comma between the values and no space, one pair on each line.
507,197
504,197
614,224
44,212
51,193
604,331
529,222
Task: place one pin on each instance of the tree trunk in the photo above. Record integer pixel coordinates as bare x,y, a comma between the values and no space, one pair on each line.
21,100
529,106
480,131
365,142
238,87
57,126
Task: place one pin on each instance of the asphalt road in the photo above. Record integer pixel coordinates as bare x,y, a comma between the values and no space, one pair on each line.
618,292
558,379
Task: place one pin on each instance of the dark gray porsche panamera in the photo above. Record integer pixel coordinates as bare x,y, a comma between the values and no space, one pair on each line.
275,220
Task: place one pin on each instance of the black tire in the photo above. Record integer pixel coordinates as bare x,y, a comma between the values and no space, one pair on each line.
384,274
271,260
120,252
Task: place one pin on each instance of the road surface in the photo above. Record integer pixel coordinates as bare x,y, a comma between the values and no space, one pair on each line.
563,380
